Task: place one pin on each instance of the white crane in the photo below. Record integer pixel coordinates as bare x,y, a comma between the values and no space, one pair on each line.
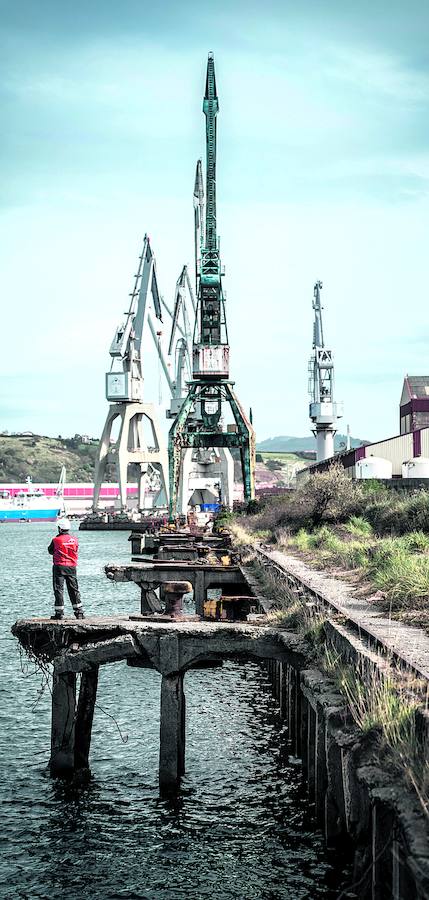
176,360
124,391
324,411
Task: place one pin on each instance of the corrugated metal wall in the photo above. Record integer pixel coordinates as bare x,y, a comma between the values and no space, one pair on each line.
425,441
396,449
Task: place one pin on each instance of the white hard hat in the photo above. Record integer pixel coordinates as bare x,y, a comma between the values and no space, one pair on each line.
64,524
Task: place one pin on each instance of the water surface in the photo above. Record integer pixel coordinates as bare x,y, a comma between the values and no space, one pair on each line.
240,828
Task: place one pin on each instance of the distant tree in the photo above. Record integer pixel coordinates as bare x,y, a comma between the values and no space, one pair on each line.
330,494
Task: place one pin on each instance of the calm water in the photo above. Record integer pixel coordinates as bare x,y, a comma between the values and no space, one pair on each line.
241,826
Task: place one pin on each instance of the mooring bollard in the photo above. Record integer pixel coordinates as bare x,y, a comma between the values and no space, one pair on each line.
174,592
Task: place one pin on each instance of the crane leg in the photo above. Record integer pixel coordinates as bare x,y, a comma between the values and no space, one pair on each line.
103,452
142,485
122,458
247,442
176,441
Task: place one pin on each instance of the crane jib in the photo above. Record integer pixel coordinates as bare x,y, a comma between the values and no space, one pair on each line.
210,109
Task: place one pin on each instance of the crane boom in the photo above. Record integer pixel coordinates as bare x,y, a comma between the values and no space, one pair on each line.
198,201
318,325
210,109
125,379
211,350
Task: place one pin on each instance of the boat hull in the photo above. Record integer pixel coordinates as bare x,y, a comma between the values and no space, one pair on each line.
29,515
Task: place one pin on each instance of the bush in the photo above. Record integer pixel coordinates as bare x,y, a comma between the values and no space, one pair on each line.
399,514
330,495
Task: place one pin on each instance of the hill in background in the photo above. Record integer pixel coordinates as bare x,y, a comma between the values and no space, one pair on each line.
286,444
43,457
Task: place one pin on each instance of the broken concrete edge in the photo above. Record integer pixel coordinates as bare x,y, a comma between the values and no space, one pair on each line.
168,647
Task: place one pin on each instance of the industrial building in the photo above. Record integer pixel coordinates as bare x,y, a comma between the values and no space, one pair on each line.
404,456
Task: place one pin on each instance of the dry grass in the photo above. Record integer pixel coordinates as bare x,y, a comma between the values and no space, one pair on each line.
397,567
384,703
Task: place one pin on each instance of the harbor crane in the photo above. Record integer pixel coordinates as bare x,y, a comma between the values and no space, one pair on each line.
205,474
324,411
210,389
124,391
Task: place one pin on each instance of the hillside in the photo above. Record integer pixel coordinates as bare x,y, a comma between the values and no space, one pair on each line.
43,457
287,444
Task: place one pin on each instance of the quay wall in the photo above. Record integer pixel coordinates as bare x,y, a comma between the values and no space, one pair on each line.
362,808
364,805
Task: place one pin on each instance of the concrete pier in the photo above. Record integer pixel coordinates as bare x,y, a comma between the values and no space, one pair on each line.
172,730
169,647
202,576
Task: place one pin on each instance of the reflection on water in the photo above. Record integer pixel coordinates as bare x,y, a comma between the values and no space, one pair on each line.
240,826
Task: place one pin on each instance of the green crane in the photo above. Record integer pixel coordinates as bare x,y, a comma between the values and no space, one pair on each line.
198,423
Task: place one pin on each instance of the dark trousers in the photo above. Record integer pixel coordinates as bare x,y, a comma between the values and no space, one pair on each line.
67,574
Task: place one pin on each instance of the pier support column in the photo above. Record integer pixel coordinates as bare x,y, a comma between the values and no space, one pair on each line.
84,717
63,723
199,592
172,730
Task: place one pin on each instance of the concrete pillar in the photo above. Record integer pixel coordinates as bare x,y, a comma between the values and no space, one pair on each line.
297,717
311,751
199,591
84,717
290,702
403,883
172,730
320,772
382,856
335,815
304,735
283,696
277,680
63,723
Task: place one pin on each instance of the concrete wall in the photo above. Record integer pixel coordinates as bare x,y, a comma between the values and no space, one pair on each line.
358,804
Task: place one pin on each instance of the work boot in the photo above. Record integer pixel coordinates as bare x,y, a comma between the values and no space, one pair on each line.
58,616
79,613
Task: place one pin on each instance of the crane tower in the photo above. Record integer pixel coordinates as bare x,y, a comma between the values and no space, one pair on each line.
324,412
210,389
205,473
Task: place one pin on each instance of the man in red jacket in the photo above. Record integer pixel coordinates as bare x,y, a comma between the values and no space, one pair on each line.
64,549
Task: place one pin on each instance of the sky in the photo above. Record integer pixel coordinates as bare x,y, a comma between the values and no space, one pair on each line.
323,173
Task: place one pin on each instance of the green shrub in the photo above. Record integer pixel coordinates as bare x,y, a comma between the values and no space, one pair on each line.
404,579
391,513
360,526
